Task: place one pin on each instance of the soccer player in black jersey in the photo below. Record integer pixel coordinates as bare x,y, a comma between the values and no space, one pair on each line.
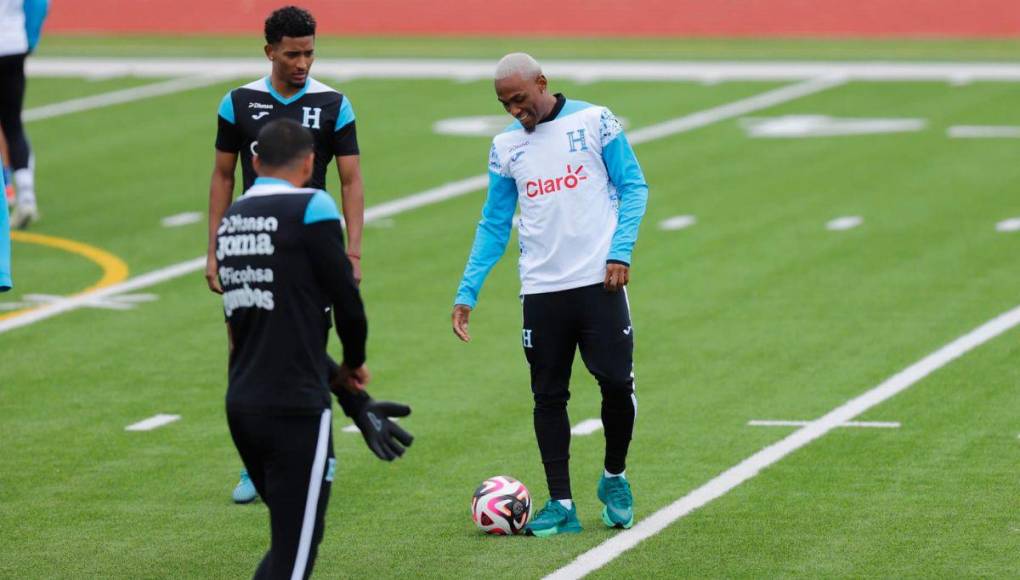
282,268
290,93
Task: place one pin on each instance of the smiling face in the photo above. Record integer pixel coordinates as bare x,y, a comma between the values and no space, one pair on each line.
527,100
292,59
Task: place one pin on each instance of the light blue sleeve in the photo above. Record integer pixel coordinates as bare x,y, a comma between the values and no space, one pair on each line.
625,173
321,208
227,109
491,237
5,243
35,14
346,115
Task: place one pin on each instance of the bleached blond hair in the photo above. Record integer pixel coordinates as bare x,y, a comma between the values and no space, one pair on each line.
518,63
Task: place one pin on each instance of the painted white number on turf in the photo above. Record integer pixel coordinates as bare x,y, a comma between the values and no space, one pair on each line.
311,118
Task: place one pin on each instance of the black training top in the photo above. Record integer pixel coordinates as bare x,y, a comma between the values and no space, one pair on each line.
283,268
325,112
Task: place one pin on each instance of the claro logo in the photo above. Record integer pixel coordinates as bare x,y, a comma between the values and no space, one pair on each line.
571,180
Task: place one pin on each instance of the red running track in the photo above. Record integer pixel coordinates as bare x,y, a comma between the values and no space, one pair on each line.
634,18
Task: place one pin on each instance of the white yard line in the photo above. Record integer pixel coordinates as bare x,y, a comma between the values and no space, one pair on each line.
119,97
587,427
153,422
585,71
447,191
182,219
609,550
866,424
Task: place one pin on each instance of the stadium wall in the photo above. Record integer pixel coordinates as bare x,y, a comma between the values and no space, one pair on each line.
692,18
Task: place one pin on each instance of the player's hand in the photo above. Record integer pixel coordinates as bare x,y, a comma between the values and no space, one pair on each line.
617,276
459,318
356,266
354,380
212,278
384,437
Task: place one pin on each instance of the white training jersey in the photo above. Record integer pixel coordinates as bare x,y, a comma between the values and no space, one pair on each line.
568,205
581,195
13,36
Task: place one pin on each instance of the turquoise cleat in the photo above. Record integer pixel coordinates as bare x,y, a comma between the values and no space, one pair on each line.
619,510
553,519
245,490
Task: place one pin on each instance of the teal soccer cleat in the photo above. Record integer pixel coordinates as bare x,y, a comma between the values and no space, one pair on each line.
619,510
245,490
553,519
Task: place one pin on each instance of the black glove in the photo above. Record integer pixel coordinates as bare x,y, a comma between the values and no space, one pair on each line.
383,436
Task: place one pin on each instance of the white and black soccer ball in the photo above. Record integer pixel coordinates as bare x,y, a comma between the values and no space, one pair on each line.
501,505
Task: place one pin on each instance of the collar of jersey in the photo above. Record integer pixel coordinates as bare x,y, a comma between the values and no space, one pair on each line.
273,186
294,97
272,181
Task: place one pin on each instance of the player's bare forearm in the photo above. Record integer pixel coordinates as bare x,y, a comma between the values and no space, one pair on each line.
352,198
221,192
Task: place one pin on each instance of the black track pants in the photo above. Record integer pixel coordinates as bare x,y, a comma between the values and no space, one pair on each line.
290,460
598,323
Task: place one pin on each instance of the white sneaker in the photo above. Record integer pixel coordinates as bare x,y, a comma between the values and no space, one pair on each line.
23,216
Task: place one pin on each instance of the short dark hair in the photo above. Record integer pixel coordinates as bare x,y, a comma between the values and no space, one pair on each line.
283,142
289,21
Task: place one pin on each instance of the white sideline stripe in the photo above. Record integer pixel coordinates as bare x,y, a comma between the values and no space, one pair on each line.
587,427
442,193
779,423
610,549
586,71
153,422
119,97
312,500
983,132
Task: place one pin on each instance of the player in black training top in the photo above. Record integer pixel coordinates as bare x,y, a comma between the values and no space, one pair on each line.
288,92
282,268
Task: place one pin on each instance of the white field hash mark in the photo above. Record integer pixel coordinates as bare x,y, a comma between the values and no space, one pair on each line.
678,222
844,223
1010,225
154,422
983,132
587,427
609,550
447,191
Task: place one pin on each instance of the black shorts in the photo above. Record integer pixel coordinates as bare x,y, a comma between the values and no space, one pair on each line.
591,319
290,460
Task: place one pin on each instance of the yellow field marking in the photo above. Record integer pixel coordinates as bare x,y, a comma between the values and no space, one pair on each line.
114,269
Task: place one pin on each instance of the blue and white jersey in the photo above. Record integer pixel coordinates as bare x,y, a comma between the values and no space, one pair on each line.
581,194
20,25
5,242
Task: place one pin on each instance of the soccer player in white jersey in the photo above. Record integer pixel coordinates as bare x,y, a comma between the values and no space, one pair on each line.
20,26
582,195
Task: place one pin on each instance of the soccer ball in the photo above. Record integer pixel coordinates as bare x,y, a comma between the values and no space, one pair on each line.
501,506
